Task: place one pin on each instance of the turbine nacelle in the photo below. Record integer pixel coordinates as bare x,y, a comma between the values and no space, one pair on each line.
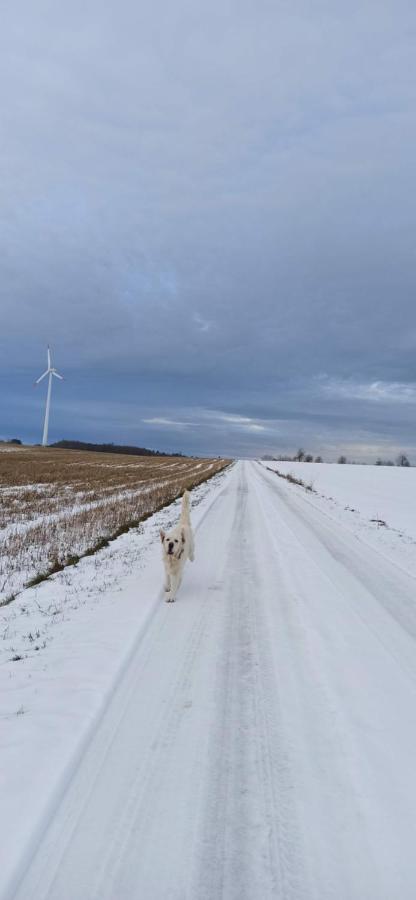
50,370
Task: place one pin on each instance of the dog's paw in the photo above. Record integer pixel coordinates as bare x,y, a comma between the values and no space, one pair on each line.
170,599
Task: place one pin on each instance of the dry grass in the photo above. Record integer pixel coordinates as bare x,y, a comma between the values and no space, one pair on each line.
57,505
293,480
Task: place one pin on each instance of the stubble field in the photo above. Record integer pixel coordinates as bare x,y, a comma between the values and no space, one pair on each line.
58,505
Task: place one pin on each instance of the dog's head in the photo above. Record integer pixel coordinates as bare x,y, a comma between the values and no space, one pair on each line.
173,542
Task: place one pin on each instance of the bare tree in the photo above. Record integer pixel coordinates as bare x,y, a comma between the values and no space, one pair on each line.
402,460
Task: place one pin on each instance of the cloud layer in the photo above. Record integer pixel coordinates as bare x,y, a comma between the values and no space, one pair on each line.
208,212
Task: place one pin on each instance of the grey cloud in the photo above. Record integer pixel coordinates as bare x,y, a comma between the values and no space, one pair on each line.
216,201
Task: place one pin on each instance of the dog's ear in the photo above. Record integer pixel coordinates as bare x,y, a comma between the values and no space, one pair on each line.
162,535
183,535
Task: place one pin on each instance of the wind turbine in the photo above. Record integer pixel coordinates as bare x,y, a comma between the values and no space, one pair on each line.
51,372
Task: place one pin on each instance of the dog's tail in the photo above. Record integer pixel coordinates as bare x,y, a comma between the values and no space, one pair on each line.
186,508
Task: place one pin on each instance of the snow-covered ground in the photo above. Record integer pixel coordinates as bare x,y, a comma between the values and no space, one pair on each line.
378,503
254,740
377,492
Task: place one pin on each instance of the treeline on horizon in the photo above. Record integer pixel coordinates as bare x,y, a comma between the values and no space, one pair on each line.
301,456
110,448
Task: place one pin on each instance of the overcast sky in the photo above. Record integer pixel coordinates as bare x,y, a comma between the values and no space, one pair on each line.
208,210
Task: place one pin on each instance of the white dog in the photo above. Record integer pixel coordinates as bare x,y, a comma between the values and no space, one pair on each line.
178,546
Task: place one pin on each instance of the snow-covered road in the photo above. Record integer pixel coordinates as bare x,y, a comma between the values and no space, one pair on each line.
261,742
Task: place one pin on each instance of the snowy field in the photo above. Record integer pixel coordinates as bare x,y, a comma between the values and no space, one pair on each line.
253,740
56,505
386,493
377,503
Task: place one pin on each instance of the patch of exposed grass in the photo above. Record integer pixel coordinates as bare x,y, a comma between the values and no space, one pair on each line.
293,480
8,599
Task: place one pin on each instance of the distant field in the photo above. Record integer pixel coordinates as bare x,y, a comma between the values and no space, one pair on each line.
387,493
56,505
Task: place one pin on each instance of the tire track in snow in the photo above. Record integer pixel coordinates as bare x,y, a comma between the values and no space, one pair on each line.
346,655
321,747
250,846
136,817
380,594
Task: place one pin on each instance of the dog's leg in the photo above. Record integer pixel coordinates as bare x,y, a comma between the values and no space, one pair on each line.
175,581
166,585
171,587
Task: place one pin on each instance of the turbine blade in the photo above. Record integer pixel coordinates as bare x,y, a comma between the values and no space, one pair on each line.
49,357
57,375
42,376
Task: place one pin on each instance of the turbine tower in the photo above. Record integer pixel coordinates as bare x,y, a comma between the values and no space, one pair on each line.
51,372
